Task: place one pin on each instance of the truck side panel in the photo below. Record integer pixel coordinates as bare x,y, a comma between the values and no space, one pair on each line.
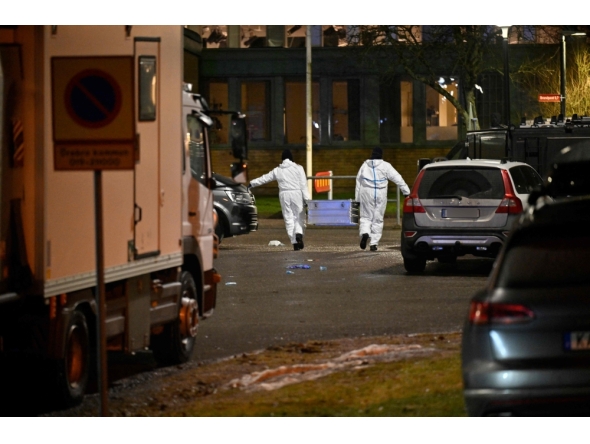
69,247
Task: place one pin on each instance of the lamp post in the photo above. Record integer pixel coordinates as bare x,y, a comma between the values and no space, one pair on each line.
562,71
505,29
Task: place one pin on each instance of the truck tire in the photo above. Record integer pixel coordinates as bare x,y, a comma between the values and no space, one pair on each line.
176,343
73,368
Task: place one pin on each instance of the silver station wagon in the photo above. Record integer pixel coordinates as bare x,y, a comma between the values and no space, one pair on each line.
462,207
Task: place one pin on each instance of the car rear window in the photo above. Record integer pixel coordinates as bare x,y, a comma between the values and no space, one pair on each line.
525,179
482,183
546,259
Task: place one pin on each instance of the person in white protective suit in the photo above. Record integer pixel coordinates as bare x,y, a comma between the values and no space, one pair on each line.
293,195
371,191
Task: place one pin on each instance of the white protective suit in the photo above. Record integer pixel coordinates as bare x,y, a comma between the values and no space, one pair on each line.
371,191
293,194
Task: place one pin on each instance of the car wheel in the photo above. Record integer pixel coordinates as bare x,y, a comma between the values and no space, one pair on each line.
415,265
219,231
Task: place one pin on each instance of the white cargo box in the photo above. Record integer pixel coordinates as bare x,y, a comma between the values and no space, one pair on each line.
333,212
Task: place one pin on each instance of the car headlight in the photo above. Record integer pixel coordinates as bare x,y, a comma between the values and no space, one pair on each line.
241,198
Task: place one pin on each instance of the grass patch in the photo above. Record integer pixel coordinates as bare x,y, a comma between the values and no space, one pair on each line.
427,385
421,388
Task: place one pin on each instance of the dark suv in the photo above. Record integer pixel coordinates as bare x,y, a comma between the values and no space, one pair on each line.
461,207
235,206
526,342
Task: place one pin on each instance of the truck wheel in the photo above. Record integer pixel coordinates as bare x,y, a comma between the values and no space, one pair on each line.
73,368
176,343
415,265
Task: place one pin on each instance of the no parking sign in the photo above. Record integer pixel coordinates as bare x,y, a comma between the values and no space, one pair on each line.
93,113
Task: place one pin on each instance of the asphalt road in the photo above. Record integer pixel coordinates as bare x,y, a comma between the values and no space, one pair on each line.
359,293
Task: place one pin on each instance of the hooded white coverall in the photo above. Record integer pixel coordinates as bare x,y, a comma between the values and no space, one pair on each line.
371,191
293,194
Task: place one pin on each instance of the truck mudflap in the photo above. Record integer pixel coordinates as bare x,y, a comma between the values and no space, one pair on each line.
212,278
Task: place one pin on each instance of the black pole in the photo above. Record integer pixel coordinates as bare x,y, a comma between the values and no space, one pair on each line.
562,76
506,83
100,297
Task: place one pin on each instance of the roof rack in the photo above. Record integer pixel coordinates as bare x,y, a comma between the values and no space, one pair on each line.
556,122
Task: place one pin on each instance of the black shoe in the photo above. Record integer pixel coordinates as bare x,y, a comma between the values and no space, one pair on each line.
364,240
296,247
299,238
373,247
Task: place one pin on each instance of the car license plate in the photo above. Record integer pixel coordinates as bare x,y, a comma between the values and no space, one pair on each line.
577,340
460,213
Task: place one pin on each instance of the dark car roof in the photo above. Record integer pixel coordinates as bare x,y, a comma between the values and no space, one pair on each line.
562,212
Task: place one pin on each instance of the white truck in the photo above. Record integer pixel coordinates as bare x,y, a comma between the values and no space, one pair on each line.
159,241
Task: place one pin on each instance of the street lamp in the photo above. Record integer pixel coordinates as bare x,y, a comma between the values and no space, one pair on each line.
564,34
505,29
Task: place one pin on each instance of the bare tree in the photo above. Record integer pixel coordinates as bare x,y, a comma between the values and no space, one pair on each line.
425,52
540,74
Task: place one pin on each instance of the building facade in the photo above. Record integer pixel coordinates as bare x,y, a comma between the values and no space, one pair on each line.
260,70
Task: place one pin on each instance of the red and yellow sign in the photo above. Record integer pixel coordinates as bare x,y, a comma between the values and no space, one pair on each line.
549,98
93,113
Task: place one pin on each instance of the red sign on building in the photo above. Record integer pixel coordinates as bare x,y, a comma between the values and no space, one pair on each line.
547,98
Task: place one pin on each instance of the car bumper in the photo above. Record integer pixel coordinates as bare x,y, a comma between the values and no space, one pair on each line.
494,388
555,401
434,243
243,219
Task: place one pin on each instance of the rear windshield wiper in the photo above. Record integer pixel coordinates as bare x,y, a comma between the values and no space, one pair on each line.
449,196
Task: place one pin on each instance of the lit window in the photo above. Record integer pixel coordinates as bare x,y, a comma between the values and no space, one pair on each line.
346,110
407,110
215,36
396,112
334,35
252,36
441,115
255,105
295,112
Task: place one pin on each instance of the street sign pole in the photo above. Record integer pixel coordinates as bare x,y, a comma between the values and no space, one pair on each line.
94,130
100,297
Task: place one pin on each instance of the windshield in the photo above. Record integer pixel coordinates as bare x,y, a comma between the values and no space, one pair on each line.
549,258
196,146
482,183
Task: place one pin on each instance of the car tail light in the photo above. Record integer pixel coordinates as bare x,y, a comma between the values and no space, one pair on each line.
510,204
412,203
481,313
